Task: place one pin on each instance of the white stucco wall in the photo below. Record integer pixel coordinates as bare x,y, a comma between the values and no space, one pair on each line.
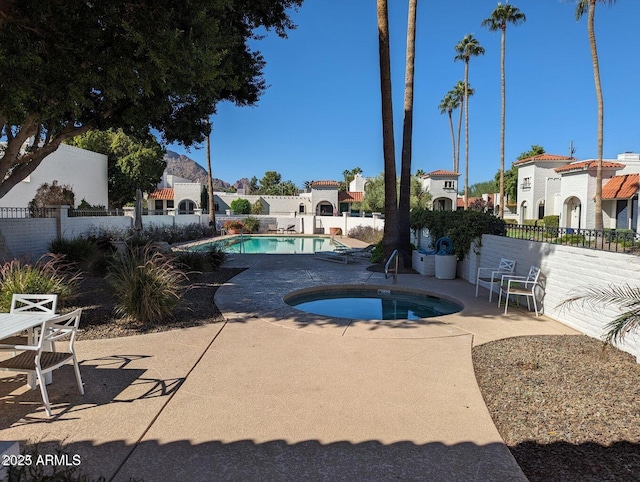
566,270
85,171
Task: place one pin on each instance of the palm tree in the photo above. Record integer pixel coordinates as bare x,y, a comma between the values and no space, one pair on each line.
582,7
458,94
212,210
468,47
500,17
623,297
448,104
404,202
390,193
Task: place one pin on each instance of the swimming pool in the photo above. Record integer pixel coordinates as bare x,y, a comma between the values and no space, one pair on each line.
286,244
370,303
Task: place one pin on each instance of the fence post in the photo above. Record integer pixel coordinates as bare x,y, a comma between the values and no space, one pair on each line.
62,214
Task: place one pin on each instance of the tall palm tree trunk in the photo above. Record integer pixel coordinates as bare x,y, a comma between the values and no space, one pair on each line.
212,210
404,203
460,115
390,193
502,120
466,134
596,75
453,140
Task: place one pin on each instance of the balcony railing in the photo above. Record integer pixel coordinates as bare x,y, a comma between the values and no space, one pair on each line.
614,240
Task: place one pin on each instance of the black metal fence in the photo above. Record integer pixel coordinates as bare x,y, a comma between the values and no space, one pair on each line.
614,240
77,213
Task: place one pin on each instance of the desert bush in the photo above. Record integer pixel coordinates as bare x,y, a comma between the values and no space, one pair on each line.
209,259
366,234
240,206
377,253
49,275
147,285
251,224
77,250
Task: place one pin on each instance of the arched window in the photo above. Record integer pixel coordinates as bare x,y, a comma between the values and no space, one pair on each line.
186,207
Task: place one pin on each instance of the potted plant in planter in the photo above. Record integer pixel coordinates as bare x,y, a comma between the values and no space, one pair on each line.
463,228
251,224
233,226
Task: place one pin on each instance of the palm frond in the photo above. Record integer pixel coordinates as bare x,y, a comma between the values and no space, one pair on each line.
624,297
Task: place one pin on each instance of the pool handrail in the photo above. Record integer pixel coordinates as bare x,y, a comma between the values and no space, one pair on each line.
386,267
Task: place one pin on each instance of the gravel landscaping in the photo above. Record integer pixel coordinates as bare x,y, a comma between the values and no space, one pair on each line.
568,407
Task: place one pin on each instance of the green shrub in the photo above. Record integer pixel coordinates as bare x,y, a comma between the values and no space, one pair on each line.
530,222
147,285
257,207
366,234
209,259
251,224
377,253
77,250
551,221
49,275
463,227
510,221
240,206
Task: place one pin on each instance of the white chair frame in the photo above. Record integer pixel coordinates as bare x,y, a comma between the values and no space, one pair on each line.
521,286
42,359
22,303
491,275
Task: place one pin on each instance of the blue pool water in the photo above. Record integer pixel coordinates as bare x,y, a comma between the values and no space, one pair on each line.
273,244
365,303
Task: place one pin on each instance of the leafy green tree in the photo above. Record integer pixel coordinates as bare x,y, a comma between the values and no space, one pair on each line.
535,150
52,195
162,65
240,206
374,198
480,188
583,7
500,17
131,163
465,49
257,207
253,185
272,185
510,183
374,195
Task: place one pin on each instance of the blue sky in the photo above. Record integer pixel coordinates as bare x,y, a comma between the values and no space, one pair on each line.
321,112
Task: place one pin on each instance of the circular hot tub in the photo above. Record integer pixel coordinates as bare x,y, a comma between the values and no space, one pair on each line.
371,303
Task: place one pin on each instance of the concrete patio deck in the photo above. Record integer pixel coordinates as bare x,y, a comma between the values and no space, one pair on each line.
277,394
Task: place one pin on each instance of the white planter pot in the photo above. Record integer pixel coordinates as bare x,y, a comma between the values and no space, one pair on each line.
425,264
446,265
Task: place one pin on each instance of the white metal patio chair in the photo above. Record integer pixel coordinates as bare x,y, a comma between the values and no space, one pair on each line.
521,286
491,275
41,359
28,303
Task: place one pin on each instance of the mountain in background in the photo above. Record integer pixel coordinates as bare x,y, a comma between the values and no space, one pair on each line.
185,167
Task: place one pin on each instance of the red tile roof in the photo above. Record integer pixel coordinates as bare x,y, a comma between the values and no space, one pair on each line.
164,193
441,172
460,200
350,196
545,157
325,184
621,187
586,165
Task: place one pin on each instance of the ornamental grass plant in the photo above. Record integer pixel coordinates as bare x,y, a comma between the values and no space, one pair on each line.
147,284
51,274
